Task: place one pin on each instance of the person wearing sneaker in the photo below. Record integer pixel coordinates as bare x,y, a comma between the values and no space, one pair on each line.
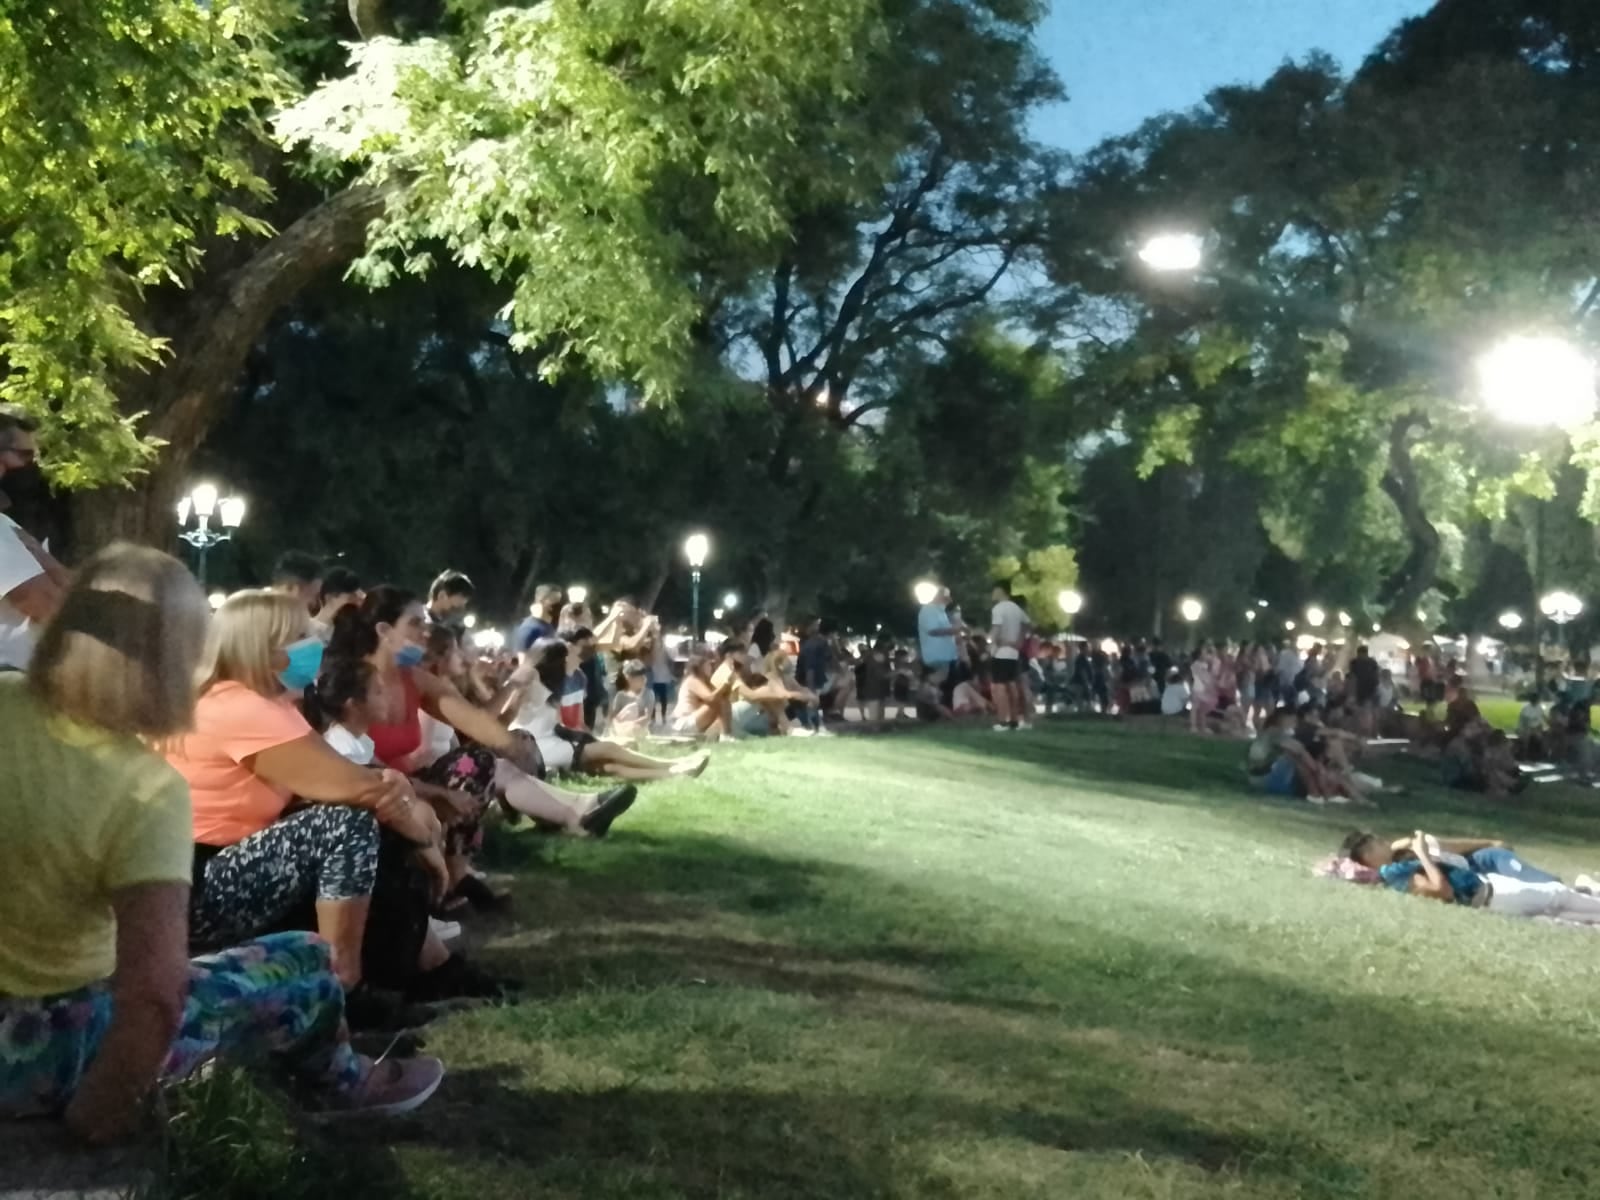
1474,873
99,1000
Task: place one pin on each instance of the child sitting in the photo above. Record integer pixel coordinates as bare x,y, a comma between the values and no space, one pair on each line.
631,706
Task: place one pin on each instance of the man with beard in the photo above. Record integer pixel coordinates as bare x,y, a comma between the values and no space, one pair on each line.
32,583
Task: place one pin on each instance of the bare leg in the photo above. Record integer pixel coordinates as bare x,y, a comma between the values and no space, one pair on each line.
1002,703
622,763
343,923
434,953
534,798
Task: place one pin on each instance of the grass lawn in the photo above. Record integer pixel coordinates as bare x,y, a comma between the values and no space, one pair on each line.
1081,962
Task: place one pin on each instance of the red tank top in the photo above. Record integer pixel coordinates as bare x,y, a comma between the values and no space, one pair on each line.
393,744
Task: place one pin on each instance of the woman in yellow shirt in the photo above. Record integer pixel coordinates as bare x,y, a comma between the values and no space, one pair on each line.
98,998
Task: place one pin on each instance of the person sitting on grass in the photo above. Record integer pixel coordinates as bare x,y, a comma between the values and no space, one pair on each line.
1280,763
449,597
539,679
1472,873
99,1000
1480,759
704,706
1531,744
632,705
299,574
341,588
519,794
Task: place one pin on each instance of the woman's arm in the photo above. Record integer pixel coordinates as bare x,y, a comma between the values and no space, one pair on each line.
148,992
443,702
309,768
1431,881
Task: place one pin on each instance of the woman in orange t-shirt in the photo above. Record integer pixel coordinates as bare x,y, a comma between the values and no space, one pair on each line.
257,864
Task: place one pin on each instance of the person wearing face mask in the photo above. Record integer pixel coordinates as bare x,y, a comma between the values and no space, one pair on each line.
388,630
257,863
32,583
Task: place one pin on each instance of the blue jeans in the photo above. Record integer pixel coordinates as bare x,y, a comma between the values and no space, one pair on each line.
1504,861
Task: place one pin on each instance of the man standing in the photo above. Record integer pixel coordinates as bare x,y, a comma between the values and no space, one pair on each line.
1364,680
1009,627
542,616
936,638
32,583
341,588
1288,667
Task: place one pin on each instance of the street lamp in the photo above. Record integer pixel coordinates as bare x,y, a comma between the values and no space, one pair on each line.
696,548
203,504
216,600
1288,626
731,601
716,614
1510,621
1315,617
1071,602
925,591
1249,614
1561,607
1173,252
1538,382
1191,611
577,593
1345,619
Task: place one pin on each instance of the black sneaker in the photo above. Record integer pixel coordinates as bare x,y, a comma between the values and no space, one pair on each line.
379,1010
457,979
480,895
611,805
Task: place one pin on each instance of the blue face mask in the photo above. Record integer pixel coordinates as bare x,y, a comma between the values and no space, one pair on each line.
305,660
408,655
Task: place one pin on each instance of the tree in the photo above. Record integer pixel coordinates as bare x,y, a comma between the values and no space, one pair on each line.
570,150
1366,240
908,207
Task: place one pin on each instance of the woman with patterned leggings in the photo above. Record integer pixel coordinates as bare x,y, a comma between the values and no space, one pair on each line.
98,999
259,861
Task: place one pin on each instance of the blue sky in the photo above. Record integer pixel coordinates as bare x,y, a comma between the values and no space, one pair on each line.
1125,60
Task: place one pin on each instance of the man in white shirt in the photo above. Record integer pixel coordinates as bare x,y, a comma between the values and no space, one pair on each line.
31,582
1289,664
1010,624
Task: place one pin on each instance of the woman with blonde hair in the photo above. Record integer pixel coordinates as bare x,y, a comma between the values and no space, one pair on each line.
98,998
282,822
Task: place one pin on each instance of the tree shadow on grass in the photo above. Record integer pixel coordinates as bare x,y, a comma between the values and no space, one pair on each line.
743,1141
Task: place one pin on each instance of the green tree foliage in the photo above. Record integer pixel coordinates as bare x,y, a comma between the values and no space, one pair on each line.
1366,240
125,131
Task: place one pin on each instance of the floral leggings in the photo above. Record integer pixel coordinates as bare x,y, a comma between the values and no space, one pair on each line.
321,852
468,769
276,996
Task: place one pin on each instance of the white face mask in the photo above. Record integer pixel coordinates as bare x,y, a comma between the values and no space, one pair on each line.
357,747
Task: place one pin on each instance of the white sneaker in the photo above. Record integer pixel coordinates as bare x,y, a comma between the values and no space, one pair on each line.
800,731
1317,800
445,931
392,1088
1002,728
1586,883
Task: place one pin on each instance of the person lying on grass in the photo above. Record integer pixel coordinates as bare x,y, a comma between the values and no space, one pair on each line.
1478,874
1281,764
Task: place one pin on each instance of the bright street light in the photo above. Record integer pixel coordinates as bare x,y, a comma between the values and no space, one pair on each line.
1289,626
1071,602
731,600
203,503
1173,252
1249,614
577,593
716,614
216,600
697,548
925,590
1315,617
1510,620
470,621
1191,609
491,640
1561,607
1538,381
1344,618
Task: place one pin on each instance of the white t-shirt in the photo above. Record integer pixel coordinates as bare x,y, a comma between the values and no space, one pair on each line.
1174,699
1008,620
357,747
1288,666
17,566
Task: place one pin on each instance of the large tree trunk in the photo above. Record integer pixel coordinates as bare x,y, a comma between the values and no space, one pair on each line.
1417,574
215,331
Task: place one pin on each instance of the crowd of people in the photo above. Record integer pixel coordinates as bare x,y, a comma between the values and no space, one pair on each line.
247,831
